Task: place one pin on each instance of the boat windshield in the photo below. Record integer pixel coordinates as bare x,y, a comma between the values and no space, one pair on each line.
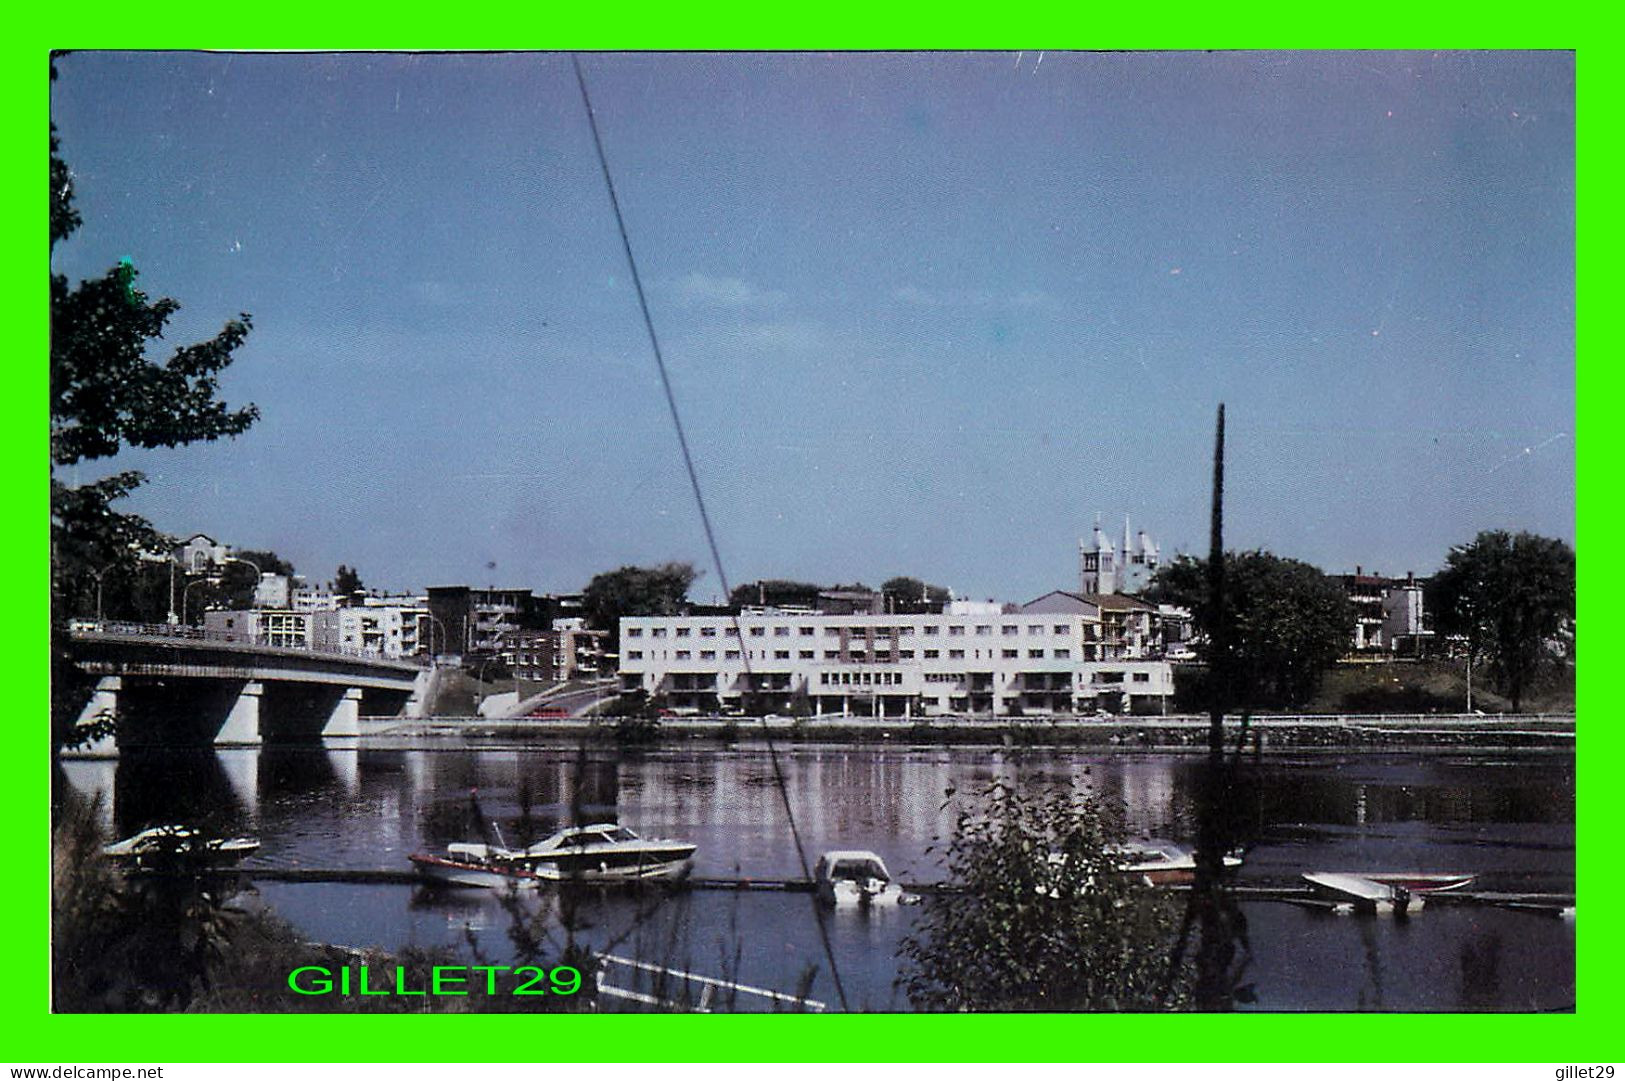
621,833
857,869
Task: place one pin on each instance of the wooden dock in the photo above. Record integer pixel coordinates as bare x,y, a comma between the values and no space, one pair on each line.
1556,904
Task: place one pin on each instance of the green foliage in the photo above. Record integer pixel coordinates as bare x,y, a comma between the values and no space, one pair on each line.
1511,597
1037,918
912,596
636,731
105,394
346,581
1289,622
131,941
776,592
636,591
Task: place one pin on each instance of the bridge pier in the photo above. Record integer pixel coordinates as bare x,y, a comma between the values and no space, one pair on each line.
242,727
103,700
344,723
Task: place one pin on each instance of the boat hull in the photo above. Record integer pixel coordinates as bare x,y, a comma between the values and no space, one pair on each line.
442,871
593,869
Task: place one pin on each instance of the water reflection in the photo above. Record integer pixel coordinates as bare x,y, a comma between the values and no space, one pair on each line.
1510,819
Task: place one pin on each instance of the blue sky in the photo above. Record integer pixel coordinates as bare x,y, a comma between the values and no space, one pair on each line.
924,313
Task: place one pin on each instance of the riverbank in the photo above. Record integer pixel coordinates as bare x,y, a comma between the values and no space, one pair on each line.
1185,732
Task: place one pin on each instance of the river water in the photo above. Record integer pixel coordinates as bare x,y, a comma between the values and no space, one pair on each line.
1509,817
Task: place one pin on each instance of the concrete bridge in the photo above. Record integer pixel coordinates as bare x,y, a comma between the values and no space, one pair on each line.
175,686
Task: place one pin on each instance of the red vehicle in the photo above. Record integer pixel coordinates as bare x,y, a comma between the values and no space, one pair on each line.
549,711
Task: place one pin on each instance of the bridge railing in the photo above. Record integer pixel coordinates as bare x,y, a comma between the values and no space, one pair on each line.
199,634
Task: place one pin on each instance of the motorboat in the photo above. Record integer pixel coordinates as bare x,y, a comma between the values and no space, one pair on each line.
182,844
855,877
607,852
1384,891
469,864
1162,863
1422,881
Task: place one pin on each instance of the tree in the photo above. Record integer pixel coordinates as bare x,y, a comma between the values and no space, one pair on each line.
233,584
1036,916
346,581
911,596
105,395
636,591
1289,622
1508,596
776,592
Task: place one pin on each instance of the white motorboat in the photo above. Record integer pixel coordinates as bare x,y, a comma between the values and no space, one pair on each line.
1385,891
182,844
1163,863
606,852
855,877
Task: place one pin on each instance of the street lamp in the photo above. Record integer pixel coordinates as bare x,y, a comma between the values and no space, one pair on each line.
97,574
435,621
200,582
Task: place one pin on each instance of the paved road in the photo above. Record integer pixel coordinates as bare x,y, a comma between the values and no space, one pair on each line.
579,702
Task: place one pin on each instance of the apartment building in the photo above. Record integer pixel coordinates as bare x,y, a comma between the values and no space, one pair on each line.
1130,629
1388,614
772,661
260,626
387,629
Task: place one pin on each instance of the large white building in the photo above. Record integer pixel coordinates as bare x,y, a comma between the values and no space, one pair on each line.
1006,664
389,630
261,626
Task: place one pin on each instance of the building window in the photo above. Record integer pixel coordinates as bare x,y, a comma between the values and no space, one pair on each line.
708,632
781,654
930,628
1010,628
905,654
956,630
781,632
832,632
805,655
731,632
860,656
1012,652
905,630
682,654
708,654
956,654
1142,677
807,632
1035,628
832,654
932,654
634,632
657,632
984,629
1035,653
634,654
1062,628
1062,654
682,632
757,632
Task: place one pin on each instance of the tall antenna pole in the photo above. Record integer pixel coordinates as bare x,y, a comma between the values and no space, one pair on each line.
1218,622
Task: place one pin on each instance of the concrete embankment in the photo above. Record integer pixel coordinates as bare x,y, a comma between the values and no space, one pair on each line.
1266,732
